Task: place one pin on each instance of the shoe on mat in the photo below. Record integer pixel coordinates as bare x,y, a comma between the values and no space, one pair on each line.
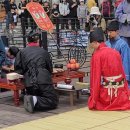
28,103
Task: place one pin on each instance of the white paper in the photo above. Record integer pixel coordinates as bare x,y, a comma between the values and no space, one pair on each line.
65,86
13,76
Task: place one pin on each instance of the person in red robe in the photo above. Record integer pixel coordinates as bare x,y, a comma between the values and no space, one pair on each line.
108,85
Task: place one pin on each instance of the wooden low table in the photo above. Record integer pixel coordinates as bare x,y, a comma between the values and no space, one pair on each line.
72,75
14,86
71,93
18,85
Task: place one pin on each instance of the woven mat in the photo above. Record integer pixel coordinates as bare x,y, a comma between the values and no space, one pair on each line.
80,119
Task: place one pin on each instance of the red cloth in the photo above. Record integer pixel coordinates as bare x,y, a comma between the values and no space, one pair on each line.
106,8
117,3
107,62
3,80
33,44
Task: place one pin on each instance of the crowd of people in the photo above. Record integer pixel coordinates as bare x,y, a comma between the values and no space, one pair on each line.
79,14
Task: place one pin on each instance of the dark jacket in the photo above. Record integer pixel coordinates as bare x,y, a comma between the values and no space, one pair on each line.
2,52
35,64
13,7
73,11
7,6
25,13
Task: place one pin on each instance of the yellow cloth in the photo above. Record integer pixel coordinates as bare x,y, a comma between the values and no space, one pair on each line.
90,4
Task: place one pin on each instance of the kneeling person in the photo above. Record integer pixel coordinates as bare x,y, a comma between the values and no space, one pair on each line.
108,84
35,64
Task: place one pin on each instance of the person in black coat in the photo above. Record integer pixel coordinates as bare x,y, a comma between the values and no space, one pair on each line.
35,64
9,19
24,13
73,4
2,54
55,14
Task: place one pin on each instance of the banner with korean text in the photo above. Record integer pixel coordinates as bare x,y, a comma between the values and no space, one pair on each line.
40,17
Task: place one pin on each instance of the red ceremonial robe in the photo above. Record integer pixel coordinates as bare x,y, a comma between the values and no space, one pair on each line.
105,63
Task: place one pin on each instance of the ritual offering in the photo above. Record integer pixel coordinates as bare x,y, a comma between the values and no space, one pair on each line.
68,80
65,86
73,65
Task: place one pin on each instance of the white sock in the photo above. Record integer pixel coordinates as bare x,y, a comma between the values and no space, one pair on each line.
34,100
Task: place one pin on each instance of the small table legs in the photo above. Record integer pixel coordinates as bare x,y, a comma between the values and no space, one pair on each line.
16,97
71,93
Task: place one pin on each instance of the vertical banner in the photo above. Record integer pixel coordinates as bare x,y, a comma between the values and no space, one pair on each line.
40,16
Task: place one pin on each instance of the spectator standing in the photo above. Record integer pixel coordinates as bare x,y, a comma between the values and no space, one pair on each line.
9,19
96,19
82,14
64,13
123,16
24,13
32,22
46,8
99,3
73,4
105,7
14,13
117,2
55,14
55,2
40,2
2,53
90,4
2,15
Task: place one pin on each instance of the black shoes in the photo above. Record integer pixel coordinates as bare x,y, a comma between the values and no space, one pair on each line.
28,103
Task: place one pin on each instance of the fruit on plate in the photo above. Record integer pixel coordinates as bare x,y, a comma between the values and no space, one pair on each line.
73,65
72,61
77,65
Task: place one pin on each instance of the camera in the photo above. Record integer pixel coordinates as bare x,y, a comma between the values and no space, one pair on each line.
91,18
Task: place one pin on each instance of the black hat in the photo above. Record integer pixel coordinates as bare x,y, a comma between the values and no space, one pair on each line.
32,36
97,35
13,50
113,26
